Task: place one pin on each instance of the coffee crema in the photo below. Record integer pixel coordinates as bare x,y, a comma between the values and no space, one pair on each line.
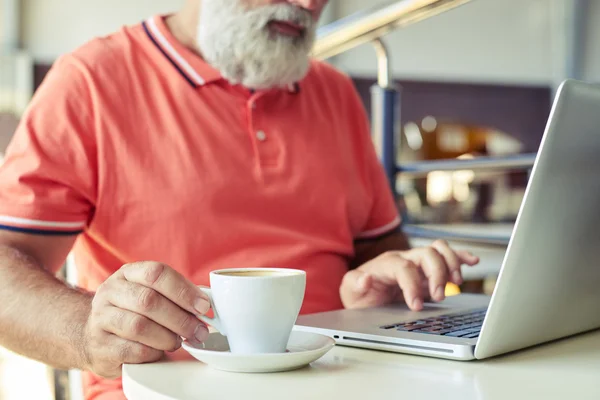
256,273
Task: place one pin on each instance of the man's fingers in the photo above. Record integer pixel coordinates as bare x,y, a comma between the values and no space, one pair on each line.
421,274
137,328
452,260
434,267
358,284
467,257
117,351
363,283
408,278
393,275
137,353
151,304
397,270
169,283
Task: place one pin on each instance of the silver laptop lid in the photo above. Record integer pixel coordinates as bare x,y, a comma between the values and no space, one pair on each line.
549,285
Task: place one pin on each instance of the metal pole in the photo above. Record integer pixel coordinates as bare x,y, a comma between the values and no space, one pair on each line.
384,107
384,77
9,33
569,39
9,43
577,16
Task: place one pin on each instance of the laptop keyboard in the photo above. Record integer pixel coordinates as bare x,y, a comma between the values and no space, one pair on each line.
464,325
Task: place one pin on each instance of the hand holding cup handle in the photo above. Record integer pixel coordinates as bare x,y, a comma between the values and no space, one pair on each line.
215,321
142,311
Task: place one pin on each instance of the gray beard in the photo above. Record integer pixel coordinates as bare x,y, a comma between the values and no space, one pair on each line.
238,43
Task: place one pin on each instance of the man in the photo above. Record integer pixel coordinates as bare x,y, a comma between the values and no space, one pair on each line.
203,140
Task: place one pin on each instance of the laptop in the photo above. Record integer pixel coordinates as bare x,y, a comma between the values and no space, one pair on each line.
549,283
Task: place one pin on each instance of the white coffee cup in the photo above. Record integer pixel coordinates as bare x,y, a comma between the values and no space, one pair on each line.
256,308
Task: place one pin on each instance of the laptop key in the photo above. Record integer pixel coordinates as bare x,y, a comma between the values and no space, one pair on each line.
445,330
472,335
447,323
427,331
466,326
463,332
430,329
413,327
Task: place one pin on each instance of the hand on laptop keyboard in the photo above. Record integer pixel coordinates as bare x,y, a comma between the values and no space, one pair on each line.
414,276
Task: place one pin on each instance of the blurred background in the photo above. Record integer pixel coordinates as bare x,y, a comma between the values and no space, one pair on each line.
475,81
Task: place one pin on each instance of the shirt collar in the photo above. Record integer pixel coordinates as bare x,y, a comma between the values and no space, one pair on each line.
189,64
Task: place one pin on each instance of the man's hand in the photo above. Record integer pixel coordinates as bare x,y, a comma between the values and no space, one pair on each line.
140,312
414,275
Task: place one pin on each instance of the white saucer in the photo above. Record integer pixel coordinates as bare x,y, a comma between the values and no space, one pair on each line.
303,348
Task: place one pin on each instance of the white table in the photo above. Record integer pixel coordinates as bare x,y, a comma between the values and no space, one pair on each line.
567,369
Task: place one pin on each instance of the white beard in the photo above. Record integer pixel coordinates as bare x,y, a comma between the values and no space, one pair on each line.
237,41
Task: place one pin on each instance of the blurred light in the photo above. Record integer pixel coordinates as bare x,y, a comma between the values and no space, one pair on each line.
439,187
453,139
464,176
443,186
499,143
461,192
413,136
429,124
452,289
462,179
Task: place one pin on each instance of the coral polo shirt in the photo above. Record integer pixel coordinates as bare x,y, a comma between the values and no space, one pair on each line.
140,148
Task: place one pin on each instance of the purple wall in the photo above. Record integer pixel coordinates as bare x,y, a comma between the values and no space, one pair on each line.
521,112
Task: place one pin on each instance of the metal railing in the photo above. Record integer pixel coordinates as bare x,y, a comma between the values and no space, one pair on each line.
371,24
369,27
512,162
374,23
456,235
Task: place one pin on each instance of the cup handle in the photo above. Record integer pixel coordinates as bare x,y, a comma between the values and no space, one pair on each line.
215,321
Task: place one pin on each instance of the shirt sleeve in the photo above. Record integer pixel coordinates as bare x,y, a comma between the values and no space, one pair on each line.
383,215
48,176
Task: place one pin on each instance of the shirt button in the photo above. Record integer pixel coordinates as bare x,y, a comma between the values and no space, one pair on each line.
253,106
261,135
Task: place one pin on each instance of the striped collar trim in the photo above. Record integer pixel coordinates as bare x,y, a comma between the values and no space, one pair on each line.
191,66
18,224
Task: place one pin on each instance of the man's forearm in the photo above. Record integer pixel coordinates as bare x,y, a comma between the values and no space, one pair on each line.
40,317
366,250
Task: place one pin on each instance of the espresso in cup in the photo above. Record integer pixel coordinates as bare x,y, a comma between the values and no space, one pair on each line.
256,308
251,273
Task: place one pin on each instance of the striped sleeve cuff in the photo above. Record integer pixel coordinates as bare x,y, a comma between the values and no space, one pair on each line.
17,224
382,230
